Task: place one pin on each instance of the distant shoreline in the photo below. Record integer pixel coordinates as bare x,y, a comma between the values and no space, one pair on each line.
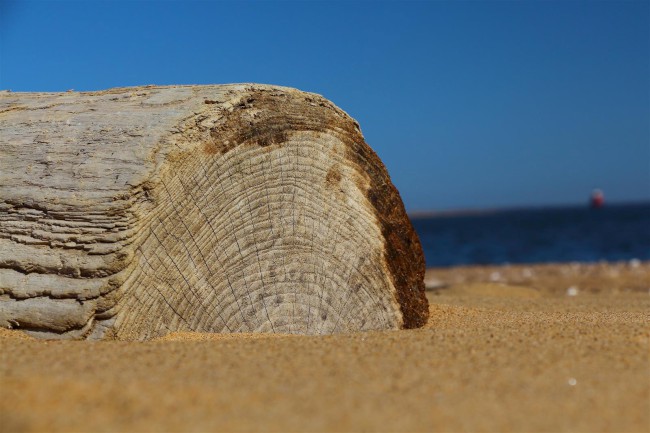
420,214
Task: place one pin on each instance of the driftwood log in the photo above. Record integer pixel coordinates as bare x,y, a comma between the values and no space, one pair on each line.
133,212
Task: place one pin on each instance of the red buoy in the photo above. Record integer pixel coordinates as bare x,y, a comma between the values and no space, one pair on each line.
597,198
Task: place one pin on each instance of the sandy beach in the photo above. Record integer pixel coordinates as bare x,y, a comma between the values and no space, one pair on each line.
510,348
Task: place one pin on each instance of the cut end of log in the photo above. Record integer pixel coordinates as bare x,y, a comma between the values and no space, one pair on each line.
131,213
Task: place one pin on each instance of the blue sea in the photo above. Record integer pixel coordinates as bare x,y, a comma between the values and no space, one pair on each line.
575,234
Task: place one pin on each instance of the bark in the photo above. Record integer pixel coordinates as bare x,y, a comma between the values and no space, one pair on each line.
133,212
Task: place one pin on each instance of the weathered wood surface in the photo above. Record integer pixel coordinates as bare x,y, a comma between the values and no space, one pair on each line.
133,212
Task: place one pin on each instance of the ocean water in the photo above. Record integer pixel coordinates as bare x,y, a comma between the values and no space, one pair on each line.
576,234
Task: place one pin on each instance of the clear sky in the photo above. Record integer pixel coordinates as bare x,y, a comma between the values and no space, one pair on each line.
469,104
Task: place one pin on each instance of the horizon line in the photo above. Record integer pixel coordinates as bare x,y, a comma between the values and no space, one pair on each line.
497,209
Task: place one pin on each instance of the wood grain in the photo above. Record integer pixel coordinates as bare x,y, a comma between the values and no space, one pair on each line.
131,213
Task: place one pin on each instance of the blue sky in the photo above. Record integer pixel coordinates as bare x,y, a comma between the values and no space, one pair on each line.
469,104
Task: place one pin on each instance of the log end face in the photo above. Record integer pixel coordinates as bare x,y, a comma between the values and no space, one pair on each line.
271,116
